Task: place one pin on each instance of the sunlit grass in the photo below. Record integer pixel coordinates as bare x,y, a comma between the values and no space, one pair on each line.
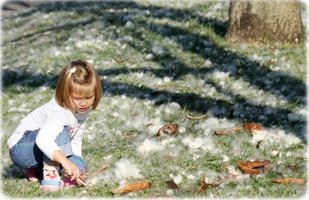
157,61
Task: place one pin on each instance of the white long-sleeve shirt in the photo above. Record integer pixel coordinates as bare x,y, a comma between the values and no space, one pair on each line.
51,118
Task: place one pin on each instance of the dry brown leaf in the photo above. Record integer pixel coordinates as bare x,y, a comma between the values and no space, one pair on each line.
300,181
132,137
249,166
120,60
150,124
247,169
252,126
235,173
168,129
228,131
293,166
207,183
191,117
255,164
171,184
132,187
170,157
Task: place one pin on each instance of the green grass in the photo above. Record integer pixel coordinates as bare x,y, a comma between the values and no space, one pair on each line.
170,61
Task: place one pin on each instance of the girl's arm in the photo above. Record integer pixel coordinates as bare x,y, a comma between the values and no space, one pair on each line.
46,137
72,169
76,142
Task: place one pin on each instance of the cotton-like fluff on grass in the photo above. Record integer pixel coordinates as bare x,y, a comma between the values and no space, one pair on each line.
170,192
182,130
168,140
206,144
149,146
265,137
207,64
155,125
125,169
91,136
196,143
138,122
186,140
209,145
177,179
212,123
225,158
157,48
290,139
153,129
191,177
172,108
167,79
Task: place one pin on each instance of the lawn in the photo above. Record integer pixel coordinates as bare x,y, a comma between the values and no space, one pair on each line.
158,61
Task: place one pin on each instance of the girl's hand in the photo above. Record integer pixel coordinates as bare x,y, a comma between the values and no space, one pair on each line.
71,169
69,166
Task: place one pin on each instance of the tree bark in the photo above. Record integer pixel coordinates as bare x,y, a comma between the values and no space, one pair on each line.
273,20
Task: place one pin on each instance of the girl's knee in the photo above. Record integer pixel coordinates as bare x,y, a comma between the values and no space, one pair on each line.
79,162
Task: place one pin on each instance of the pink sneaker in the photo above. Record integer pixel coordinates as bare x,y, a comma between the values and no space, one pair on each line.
34,174
68,183
52,185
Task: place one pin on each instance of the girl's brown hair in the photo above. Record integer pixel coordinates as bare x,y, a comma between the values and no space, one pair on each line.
78,76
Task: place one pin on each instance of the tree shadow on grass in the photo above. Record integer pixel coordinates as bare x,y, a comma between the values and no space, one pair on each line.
281,85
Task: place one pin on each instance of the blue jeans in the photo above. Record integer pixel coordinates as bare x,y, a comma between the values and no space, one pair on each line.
26,153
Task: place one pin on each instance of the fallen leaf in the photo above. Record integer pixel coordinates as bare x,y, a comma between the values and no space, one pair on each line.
150,124
170,157
246,169
132,187
293,166
171,184
253,128
206,183
228,131
249,166
168,129
255,164
235,173
132,137
300,181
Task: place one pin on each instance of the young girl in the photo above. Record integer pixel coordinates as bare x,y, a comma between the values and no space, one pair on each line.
50,137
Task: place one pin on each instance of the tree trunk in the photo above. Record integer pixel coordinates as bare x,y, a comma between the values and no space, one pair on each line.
271,20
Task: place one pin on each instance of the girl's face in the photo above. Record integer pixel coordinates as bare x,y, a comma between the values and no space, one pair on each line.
81,102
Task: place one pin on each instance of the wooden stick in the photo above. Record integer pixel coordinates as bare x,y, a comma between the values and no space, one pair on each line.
79,180
300,181
97,171
202,187
200,117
